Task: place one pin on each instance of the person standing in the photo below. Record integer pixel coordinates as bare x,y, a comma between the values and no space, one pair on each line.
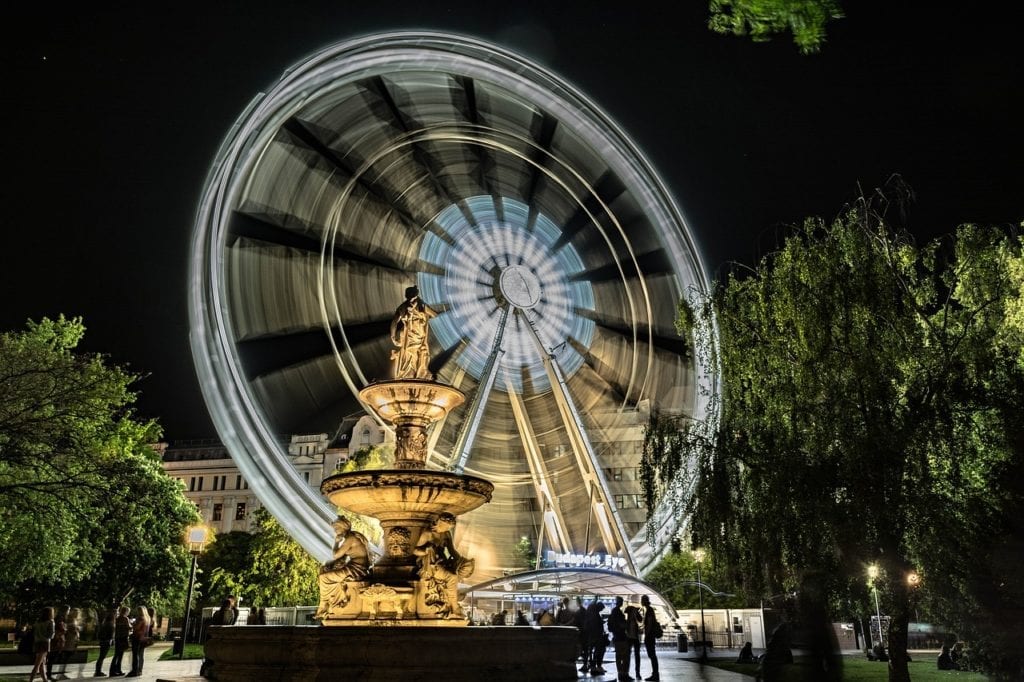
580,621
60,629
42,634
234,611
633,622
139,640
597,639
617,626
105,638
565,615
72,633
652,631
122,635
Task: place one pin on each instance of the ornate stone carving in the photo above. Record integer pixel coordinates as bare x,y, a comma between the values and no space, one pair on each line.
398,541
377,593
441,566
351,562
410,331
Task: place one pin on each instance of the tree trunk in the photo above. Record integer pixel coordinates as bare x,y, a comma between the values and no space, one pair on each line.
898,627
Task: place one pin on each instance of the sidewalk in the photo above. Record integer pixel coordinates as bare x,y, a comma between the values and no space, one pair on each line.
154,670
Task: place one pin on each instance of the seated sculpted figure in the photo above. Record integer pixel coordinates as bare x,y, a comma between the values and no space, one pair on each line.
441,565
351,562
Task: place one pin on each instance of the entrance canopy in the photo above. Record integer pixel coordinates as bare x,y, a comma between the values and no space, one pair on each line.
586,583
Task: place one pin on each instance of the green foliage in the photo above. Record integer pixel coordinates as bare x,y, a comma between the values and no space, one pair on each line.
525,554
370,458
763,19
266,568
675,577
873,394
87,514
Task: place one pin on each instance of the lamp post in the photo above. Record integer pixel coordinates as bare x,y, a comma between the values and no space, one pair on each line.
873,574
698,557
196,539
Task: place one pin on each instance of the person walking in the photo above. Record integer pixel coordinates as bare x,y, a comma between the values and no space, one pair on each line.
652,631
633,623
617,626
105,638
122,634
42,635
139,640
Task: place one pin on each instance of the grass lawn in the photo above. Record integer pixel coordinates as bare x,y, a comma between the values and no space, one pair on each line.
192,651
857,669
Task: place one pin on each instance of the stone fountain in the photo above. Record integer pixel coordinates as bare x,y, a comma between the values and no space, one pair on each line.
416,581
397,613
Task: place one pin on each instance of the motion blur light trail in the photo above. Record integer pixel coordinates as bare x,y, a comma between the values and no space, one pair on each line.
524,215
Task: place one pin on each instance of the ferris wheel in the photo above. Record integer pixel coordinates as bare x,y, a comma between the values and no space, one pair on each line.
548,248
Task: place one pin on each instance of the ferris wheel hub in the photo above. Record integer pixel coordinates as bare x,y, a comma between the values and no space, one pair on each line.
520,286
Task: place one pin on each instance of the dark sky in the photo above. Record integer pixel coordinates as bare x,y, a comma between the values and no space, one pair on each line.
112,117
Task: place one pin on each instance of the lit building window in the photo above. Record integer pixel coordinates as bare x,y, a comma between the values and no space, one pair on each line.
218,512
240,511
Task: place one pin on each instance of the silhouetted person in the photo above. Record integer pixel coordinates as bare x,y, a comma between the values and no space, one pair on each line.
746,654
42,635
652,631
122,640
597,639
633,622
945,661
778,653
105,638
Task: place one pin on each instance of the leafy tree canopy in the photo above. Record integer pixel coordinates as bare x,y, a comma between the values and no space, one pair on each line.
763,19
873,394
87,514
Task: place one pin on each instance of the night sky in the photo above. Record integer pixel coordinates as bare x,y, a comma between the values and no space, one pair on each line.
113,116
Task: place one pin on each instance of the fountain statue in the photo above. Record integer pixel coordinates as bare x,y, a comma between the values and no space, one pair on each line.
416,581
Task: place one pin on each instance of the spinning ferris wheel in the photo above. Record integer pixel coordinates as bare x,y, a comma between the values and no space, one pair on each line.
550,250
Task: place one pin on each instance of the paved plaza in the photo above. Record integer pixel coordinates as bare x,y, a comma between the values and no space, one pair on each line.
674,666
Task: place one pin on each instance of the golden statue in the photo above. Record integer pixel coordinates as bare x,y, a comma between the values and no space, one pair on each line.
410,329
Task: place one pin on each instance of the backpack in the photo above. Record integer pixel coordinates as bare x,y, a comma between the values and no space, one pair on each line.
25,644
656,630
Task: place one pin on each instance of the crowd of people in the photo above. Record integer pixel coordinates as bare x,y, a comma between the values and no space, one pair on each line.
54,637
628,629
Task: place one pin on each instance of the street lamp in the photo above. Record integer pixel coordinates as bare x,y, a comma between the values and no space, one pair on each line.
698,557
873,574
196,537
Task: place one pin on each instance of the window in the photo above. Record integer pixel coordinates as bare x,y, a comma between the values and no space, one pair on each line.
240,511
223,482
199,486
238,482
305,474
216,480
218,512
192,484
737,625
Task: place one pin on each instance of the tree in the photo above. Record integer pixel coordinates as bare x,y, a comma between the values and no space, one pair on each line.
872,416
762,19
281,573
675,577
86,511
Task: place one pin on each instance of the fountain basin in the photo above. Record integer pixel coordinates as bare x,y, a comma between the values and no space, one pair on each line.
403,493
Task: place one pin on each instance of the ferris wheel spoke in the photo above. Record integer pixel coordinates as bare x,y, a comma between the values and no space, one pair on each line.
306,135
607,188
263,228
643,265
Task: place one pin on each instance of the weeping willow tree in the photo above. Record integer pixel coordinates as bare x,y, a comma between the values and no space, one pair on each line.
763,19
873,417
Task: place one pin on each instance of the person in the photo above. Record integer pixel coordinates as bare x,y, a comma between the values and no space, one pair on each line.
617,627
139,640
261,616
122,635
105,639
351,562
60,629
545,618
597,639
410,328
580,621
499,617
521,618
72,633
746,653
565,615
945,661
42,634
234,611
633,622
652,631
222,616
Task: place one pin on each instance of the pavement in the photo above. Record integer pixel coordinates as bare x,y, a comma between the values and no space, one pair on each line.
673,666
